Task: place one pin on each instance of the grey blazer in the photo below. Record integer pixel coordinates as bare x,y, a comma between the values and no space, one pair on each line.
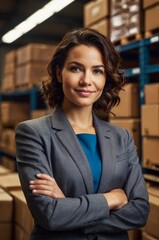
49,145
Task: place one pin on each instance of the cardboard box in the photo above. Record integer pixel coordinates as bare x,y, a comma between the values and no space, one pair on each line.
6,231
10,182
150,120
148,3
8,82
150,152
30,74
9,163
6,207
38,113
8,140
14,112
20,234
3,170
23,217
102,26
153,218
10,57
95,11
35,52
151,93
153,190
129,104
151,18
133,126
147,236
134,234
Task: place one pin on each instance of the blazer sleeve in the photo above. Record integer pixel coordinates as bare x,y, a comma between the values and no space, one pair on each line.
52,214
134,214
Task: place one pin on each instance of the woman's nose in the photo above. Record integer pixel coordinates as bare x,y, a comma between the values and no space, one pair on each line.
85,78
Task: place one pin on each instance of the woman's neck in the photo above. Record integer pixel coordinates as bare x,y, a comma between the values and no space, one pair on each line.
81,119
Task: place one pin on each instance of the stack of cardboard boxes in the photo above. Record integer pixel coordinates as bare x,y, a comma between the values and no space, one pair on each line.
16,222
32,61
127,113
150,156
8,82
150,126
151,230
126,19
96,16
151,10
24,68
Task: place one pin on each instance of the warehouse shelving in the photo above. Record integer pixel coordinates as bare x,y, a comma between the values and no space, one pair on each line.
145,68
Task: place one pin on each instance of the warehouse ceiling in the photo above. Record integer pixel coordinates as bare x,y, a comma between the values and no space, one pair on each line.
12,12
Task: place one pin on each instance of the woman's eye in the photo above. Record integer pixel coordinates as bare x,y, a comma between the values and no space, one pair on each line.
75,69
98,71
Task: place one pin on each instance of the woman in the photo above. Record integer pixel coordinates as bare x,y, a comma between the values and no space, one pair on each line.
80,175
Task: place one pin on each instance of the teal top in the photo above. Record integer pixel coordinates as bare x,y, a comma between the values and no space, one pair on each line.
90,146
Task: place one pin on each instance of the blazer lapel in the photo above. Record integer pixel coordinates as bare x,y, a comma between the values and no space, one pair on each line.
105,139
67,137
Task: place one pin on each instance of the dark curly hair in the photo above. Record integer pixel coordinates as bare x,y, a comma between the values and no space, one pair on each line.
52,89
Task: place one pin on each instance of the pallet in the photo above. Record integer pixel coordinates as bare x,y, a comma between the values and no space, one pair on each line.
129,39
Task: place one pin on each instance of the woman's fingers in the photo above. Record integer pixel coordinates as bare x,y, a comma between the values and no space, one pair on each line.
46,185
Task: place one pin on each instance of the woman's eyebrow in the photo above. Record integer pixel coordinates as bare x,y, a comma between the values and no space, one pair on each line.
76,63
81,65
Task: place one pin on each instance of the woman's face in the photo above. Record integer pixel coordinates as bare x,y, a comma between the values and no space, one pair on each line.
83,76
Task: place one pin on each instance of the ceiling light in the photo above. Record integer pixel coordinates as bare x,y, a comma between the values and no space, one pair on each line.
36,18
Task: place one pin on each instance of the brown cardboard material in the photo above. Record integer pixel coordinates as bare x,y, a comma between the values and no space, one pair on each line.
30,73
151,18
10,57
14,112
152,93
38,113
3,170
147,236
95,11
150,120
6,207
23,216
153,190
10,182
148,3
8,140
133,126
20,234
8,82
134,234
35,52
153,218
150,151
6,231
102,26
9,163
129,104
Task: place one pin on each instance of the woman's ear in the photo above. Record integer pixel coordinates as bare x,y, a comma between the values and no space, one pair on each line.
58,74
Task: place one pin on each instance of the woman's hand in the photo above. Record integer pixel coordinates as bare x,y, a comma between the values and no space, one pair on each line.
46,185
116,199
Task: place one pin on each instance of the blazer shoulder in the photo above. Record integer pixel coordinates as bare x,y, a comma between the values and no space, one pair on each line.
38,124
